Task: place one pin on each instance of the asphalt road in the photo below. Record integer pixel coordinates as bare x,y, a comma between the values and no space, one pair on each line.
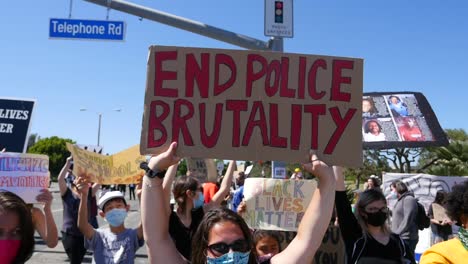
43,254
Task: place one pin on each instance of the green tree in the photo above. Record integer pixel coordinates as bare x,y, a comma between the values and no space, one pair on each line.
450,160
374,162
56,149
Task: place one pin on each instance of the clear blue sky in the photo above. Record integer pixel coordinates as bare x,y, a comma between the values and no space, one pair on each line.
417,46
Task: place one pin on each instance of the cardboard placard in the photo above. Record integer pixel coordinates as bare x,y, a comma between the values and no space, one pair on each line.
439,213
399,119
253,105
15,122
120,168
24,174
202,169
275,204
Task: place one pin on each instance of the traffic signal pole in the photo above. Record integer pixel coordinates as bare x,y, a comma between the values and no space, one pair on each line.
275,43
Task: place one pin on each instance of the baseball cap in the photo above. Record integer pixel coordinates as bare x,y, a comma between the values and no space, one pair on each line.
109,196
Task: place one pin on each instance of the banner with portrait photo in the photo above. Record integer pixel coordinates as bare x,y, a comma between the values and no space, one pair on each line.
399,119
15,123
276,204
253,105
24,174
120,168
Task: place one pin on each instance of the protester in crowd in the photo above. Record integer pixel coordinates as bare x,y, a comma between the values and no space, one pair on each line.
397,107
365,233
116,244
441,229
16,229
455,250
392,196
373,183
404,216
267,244
72,238
368,108
43,220
409,131
239,192
209,191
122,188
190,208
223,235
131,191
373,131
297,175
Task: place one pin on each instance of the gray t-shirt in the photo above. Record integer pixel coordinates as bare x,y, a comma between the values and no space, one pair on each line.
110,248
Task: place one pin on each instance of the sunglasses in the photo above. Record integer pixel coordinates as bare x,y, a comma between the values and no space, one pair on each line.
222,248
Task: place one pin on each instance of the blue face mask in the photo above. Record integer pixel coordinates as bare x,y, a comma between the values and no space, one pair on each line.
116,217
199,202
231,257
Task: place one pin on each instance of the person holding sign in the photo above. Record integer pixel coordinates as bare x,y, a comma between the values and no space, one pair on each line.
441,225
455,250
366,235
223,236
373,131
44,221
16,229
188,194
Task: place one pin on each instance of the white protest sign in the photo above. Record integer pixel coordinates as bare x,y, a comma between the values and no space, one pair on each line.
276,204
24,174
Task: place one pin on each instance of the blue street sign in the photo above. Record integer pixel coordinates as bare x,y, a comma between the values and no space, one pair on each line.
86,29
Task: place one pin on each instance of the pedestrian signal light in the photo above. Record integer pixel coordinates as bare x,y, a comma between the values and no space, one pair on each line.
279,12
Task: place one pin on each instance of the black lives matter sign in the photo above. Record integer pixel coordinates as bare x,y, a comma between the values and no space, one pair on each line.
15,120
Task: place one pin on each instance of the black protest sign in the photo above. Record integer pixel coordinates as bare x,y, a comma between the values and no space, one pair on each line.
15,120
399,120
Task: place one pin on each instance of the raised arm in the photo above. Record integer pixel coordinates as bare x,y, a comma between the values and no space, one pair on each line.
95,188
224,189
44,222
85,227
167,186
154,214
316,218
61,177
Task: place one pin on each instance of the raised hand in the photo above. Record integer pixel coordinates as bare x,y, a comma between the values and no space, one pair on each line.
45,197
318,168
165,159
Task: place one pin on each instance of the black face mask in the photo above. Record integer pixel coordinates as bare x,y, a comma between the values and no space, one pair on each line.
376,219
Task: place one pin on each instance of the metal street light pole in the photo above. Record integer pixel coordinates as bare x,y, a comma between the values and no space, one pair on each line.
99,123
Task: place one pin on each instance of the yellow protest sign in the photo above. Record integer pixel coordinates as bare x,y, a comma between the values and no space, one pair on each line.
120,168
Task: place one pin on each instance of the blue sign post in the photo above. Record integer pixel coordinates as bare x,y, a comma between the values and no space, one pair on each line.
60,28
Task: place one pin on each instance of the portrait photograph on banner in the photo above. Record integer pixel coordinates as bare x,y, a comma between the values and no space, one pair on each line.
399,119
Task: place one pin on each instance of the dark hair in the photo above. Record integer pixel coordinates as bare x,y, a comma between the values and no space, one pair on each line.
212,217
394,96
440,197
365,198
366,127
393,184
259,234
375,181
400,187
456,203
181,185
372,106
10,202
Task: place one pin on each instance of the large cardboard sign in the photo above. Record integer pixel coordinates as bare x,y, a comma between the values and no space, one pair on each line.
275,204
24,174
332,249
120,168
399,119
253,105
15,122
202,169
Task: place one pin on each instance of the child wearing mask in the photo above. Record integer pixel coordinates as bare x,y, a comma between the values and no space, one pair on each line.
116,244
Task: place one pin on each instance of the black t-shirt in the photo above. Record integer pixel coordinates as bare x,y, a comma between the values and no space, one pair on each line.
182,235
375,252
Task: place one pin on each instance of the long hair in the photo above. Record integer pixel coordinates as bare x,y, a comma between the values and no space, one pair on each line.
365,198
457,202
367,129
181,185
260,234
12,203
401,187
212,217
440,197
